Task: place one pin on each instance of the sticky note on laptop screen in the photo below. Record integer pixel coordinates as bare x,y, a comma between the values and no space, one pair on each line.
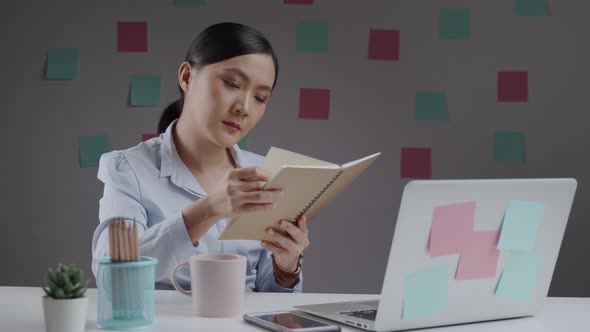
452,227
520,224
425,292
519,277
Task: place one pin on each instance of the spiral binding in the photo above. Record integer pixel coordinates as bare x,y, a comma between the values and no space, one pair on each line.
310,203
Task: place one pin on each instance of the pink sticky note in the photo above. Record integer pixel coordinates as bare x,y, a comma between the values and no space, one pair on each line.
132,37
314,104
145,137
384,45
452,228
513,86
298,2
480,259
416,163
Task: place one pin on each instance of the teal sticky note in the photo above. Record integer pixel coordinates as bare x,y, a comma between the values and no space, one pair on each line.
312,37
519,277
531,8
243,143
190,2
509,147
454,23
425,292
145,90
91,148
62,63
520,225
430,106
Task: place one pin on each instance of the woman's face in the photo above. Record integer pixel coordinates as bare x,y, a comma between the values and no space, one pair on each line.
225,100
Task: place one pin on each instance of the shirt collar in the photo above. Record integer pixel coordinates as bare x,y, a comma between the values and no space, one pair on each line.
172,165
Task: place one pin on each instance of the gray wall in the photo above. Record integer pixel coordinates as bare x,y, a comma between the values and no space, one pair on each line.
49,204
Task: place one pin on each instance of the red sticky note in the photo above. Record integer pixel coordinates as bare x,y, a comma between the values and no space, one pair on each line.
298,2
145,137
314,104
451,229
132,37
480,259
513,86
384,45
416,163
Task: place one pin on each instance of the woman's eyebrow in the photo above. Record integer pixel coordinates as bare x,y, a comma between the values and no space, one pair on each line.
246,78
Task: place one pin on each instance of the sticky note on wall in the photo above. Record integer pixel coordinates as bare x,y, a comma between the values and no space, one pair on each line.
314,104
62,63
530,8
425,292
451,229
454,23
415,163
312,37
519,276
145,90
91,148
132,37
509,147
145,137
243,143
513,86
520,224
190,2
384,45
430,105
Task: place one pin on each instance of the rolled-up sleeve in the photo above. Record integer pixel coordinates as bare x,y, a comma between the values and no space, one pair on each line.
167,241
265,279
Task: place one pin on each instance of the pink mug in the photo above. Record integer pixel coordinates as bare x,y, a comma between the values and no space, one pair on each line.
217,284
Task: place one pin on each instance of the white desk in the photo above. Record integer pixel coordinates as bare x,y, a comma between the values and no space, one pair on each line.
21,310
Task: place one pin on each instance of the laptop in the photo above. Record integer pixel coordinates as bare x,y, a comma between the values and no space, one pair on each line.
465,300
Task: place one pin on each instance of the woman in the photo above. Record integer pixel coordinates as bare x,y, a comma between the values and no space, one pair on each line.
184,185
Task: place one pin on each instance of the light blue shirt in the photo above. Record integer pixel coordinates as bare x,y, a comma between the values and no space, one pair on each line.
150,183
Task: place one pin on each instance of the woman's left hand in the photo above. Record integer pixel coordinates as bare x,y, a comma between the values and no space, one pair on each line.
288,248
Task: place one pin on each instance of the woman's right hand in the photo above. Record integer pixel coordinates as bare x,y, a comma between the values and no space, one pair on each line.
242,193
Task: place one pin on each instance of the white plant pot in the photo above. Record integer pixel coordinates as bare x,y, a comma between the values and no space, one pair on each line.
67,315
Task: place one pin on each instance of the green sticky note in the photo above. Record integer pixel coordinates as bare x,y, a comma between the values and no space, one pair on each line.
425,292
145,90
62,63
430,106
520,224
312,37
454,23
91,148
531,8
519,277
509,146
243,143
190,2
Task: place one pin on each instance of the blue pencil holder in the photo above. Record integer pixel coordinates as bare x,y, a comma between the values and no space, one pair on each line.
126,294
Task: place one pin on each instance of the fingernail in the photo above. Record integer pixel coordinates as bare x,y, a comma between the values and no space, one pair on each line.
270,231
263,244
284,224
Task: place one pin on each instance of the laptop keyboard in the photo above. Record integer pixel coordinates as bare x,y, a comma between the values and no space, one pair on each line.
364,314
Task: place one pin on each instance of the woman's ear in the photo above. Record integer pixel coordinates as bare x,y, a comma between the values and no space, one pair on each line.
184,75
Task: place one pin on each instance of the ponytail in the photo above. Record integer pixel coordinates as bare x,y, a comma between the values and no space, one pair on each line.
171,113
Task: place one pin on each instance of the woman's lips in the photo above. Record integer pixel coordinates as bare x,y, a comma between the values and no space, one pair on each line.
232,125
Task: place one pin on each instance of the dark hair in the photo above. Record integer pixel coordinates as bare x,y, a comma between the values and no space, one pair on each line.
217,43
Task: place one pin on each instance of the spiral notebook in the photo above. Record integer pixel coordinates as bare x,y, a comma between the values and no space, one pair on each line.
309,185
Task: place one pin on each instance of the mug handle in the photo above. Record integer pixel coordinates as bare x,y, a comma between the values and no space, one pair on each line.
175,282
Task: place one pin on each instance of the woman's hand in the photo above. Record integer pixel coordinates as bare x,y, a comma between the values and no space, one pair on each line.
242,193
288,248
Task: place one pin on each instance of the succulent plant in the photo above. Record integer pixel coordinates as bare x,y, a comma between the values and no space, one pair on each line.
66,282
